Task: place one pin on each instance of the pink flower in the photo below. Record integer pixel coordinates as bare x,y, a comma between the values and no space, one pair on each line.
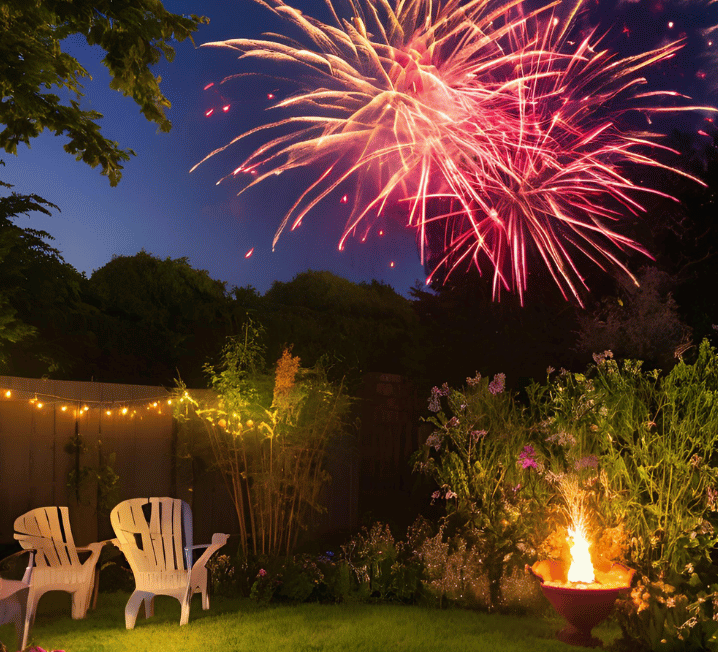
262,572
526,458
497,385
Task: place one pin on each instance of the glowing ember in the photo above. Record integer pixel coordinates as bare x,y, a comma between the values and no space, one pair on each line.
501,123
581,569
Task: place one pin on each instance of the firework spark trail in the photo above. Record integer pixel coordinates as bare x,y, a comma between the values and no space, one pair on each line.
489,109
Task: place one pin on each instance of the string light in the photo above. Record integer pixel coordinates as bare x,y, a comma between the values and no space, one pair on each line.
49,401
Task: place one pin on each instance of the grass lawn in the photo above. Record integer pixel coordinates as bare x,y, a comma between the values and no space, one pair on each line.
240,624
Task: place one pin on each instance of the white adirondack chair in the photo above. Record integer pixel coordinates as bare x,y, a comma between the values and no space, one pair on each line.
155,534
13,604
46,530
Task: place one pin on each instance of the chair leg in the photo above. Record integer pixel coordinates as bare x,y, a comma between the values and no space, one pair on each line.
184,614
95,587
25,631
133,608
149,607
22,626
205,599
32,601
80,603
185,603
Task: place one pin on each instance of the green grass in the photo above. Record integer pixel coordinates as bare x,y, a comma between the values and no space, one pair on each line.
240,624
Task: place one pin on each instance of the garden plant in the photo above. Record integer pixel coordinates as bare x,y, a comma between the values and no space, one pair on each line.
268,441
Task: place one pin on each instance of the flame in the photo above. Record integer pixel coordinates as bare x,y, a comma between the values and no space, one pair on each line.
581,569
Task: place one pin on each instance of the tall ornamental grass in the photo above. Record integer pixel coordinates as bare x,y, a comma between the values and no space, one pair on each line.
269,442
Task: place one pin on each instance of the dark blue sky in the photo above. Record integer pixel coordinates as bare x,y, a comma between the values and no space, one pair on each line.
162,208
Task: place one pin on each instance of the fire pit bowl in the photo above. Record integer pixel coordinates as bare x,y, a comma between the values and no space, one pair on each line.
583,605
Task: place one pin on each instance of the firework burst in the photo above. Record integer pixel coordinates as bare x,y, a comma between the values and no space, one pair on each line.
484,118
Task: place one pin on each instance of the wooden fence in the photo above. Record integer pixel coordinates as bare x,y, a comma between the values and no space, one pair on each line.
40,418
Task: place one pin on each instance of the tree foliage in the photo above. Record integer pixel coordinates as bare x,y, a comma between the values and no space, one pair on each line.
158,315
40,300
134,35
364,326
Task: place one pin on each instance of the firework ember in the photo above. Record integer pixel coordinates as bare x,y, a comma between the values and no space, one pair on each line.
486,119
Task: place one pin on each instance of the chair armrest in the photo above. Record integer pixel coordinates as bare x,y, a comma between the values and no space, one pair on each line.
94,549
218,540
30,563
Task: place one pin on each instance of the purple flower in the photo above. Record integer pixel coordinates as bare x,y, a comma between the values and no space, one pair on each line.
598,358
450,494
434,440
526,458
477,434
497,385
562,438
435,398
434,401
472,382
587,462
711,497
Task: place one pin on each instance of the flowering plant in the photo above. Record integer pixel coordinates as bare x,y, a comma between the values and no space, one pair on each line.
644,444
481,460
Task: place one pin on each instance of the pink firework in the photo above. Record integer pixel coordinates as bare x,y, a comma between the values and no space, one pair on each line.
489,110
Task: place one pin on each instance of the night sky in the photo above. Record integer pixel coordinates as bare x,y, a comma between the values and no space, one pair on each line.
162,208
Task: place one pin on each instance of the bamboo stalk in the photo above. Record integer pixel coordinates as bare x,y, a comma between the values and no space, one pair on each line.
250,509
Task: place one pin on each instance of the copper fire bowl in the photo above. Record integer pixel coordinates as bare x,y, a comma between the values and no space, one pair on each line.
583,605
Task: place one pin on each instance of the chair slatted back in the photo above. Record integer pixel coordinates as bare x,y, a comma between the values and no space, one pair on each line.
47,530
154,544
